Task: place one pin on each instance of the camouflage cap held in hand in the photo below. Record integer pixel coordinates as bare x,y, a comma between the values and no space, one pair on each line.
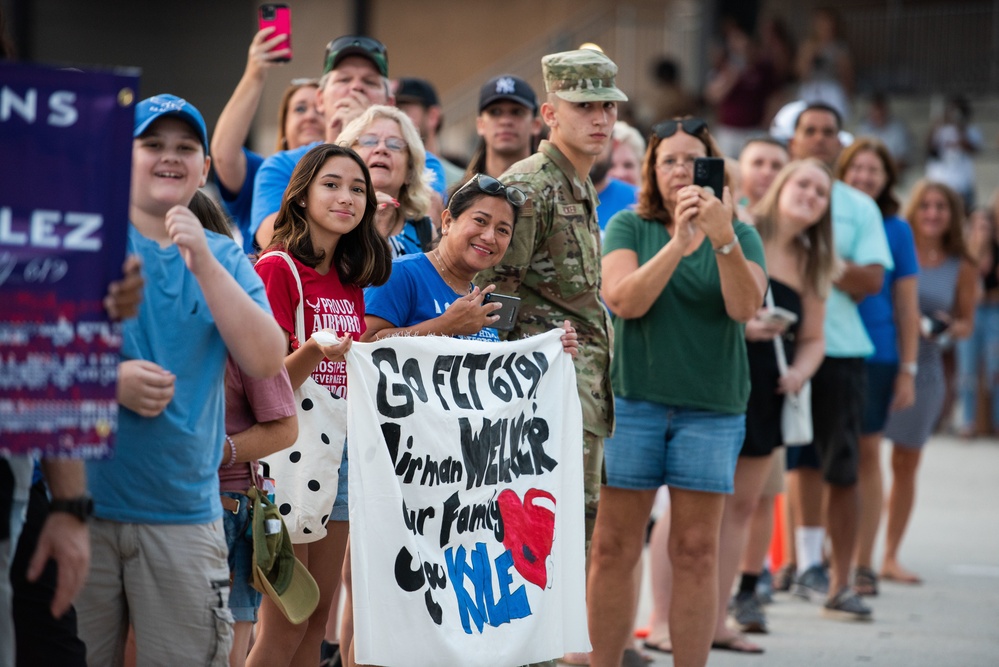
581,76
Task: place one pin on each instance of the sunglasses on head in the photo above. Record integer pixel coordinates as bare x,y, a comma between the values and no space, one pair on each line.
667,128
492,187
375,50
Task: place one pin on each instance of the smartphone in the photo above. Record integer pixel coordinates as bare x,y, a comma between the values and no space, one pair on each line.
277,16
932,326
778,315
710,172
510,306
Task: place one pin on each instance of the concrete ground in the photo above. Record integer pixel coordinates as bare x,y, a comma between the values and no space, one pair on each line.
950,620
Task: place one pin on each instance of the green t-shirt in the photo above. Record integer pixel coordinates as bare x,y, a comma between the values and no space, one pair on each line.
686,351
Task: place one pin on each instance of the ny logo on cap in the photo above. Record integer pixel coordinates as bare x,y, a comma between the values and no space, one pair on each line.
505,85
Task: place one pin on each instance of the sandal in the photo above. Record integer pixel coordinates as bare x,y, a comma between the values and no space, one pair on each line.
865,582
736,643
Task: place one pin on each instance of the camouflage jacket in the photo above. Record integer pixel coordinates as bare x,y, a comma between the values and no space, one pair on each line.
553,265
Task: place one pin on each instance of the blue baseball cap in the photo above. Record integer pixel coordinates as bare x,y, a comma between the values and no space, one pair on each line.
148,110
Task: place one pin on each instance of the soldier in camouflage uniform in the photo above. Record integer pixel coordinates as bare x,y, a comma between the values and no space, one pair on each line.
553,262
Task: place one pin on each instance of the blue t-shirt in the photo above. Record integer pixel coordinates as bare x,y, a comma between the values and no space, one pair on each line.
275,174
877,311
440,177
859,237
165,468
407,242
238,204
617,196
271,182
414,293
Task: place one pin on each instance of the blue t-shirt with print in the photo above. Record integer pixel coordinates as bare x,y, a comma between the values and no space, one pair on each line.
414,293
238,204
877,311
165,468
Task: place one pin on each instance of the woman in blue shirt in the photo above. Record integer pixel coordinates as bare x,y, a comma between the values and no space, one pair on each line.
892,321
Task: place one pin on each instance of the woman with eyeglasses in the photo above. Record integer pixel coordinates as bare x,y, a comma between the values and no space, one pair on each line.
431,293
299,123
390,145
681,277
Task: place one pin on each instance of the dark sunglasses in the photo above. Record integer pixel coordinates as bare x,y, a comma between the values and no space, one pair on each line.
369,45
492,187
667,128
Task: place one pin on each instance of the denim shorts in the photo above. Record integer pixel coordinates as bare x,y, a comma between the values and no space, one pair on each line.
244,600
686,448
340,511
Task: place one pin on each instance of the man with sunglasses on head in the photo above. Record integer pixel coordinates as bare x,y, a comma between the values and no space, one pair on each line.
355,77
553,263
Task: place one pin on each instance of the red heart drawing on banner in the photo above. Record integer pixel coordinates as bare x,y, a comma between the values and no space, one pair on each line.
528,532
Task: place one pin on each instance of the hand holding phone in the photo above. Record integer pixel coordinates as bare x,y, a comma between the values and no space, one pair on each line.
277,16
709,172
778,316
509,307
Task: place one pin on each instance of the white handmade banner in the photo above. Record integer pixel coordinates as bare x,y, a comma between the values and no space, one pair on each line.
466,502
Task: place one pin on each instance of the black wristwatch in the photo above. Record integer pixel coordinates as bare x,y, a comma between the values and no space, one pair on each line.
82,507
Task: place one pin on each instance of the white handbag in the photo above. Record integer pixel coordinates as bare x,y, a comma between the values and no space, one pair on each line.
796,415
306,474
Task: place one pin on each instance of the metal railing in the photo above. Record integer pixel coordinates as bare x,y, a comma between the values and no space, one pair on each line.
943,47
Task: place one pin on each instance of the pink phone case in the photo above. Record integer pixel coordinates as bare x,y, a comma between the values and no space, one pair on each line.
279,17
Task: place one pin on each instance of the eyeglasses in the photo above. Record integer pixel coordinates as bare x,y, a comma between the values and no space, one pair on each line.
667,128
394,144
368,46
492,187
670,163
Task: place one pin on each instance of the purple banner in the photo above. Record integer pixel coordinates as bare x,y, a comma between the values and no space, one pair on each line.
65,167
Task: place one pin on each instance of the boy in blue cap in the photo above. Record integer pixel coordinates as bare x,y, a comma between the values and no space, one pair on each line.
158,545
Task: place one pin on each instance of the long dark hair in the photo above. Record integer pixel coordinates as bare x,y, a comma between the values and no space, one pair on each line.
361,257
210,214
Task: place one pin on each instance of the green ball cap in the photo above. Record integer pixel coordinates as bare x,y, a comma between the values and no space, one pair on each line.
581,76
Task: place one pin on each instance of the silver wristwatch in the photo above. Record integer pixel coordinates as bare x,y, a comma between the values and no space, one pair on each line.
728,247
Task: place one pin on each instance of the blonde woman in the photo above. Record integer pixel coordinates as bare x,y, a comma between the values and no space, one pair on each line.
390,145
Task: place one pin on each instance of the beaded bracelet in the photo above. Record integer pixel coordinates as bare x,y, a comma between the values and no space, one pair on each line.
232,453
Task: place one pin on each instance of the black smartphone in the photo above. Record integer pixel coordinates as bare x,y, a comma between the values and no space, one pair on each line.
277,16
510,306
710,172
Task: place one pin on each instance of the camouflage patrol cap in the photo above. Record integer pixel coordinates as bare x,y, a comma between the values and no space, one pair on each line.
581,76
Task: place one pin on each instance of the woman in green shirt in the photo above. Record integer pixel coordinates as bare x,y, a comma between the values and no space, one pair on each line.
681,277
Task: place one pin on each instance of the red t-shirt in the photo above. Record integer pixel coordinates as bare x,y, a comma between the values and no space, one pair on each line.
329,304
248,401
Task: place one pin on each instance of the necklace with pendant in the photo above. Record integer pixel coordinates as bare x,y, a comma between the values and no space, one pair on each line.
443,271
